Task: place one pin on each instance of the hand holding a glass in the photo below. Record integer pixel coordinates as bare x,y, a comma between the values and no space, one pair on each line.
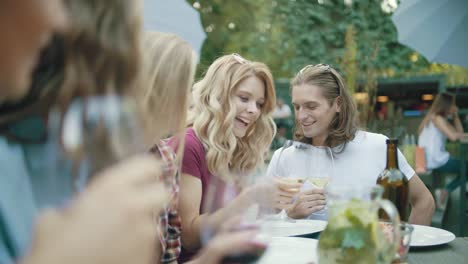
233,241
235,213
307,202
317,164
277,194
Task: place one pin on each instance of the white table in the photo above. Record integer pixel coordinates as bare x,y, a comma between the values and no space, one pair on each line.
290,250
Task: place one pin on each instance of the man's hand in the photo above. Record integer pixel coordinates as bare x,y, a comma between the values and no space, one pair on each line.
307,202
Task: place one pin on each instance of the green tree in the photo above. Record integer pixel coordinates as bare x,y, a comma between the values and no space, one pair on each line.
349,63
288,34
245,27
319,29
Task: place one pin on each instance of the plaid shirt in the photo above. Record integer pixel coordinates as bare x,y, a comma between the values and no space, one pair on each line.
169,223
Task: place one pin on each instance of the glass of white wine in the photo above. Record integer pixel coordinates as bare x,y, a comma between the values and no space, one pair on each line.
310,166
251,215
320,170
283,172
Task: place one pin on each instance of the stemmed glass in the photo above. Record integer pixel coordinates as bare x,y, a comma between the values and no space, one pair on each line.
321,168
249,214
311,166
99,131
281,172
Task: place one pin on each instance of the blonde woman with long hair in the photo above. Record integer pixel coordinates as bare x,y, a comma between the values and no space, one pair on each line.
326,117
230,132
434,131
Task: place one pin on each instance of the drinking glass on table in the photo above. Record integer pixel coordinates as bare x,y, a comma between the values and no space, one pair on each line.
406,231
402,246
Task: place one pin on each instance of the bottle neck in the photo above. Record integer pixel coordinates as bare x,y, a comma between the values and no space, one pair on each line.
392,158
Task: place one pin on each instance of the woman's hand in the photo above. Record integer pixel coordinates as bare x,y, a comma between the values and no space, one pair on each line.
112,221
454,111
232,239
307,202
229,244
277,194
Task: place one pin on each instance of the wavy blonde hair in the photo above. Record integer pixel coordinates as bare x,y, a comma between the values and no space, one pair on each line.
214,111
167,76
343,126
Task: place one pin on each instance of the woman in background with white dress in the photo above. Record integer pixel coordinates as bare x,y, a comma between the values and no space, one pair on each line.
434,131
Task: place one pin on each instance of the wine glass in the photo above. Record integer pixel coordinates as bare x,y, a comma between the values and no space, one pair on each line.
240,215
311,166
320,169
281,171
99,131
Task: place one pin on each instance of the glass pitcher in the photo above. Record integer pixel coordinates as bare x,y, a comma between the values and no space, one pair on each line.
353,233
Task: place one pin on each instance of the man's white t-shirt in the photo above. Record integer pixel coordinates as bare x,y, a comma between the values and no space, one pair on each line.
360,164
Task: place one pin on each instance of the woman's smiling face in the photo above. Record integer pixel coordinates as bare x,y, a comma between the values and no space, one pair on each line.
249,99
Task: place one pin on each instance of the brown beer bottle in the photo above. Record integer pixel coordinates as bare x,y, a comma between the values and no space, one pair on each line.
394,182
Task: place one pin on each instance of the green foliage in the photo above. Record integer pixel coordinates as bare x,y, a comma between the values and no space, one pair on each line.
455,75
255,33
349,59
324,27
288,34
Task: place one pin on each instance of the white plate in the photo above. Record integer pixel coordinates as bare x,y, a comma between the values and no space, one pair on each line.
291,250
424,236
278,228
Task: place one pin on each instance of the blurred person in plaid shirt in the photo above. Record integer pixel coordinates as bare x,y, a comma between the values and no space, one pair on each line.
168,69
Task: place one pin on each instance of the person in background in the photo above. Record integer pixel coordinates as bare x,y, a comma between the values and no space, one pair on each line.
282,117
230,132
326,116
282,110
280,137
434,131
